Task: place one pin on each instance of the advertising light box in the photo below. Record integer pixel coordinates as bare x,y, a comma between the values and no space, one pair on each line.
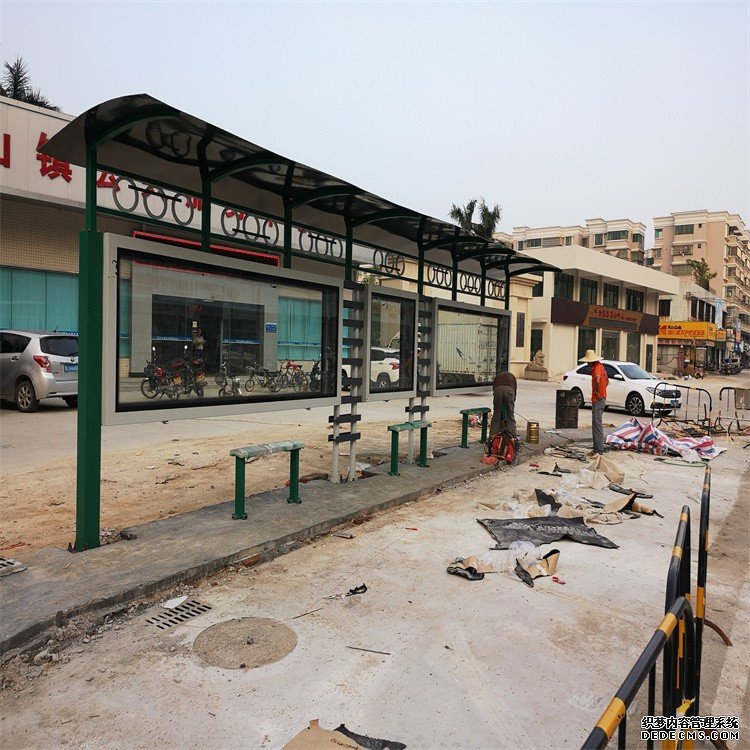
188,334
470,346
390,369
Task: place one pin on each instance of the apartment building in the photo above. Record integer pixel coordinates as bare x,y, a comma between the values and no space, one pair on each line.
619,238
722,240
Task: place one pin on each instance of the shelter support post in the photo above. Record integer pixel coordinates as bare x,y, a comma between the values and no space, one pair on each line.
483,291
454,279
88,448
287,236
239,489
294,476
507,289
206,217
410,444
423,448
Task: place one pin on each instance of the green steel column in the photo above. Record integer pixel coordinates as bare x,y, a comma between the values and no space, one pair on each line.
423,448
394,454
464,430
420,271
483,292
88,448
239,489
206,217
484,427
294,477
507,290
287,237
454,285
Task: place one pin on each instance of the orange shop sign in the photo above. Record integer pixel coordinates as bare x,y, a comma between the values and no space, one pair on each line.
688,330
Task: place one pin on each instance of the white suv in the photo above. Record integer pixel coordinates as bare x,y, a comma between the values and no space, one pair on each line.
630,388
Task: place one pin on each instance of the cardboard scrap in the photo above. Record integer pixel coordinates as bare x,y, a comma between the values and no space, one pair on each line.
609,468
469,568
528,570
315,737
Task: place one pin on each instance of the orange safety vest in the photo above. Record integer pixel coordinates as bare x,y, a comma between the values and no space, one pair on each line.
599,382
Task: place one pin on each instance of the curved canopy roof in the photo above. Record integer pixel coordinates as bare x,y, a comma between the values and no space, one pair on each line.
142,135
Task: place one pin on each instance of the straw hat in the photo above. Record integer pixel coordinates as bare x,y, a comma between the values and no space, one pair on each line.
590,356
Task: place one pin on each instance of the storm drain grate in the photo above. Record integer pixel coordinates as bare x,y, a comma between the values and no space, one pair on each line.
179,614
8,566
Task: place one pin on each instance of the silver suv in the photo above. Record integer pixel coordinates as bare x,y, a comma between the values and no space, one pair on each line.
36,365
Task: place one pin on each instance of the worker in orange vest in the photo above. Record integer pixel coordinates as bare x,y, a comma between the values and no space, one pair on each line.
599,383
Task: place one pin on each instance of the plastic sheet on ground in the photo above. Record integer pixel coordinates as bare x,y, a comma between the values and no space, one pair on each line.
641,436
543,531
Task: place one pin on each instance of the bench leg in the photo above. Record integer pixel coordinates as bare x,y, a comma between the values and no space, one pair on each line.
464,430
239,489
294,477
394,454
423,447
484,428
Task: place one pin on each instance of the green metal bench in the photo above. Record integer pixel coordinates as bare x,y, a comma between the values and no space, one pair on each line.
484,411
253,452
396,429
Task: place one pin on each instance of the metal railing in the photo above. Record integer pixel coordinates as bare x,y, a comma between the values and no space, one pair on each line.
695,408
731,412
679,637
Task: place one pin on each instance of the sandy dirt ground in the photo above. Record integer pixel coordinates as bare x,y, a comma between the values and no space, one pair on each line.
162,479
486,664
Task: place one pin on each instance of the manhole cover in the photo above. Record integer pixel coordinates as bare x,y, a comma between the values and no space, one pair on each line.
246,642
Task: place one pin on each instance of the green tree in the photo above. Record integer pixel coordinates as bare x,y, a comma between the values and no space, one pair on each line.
488,218
702,272
16,84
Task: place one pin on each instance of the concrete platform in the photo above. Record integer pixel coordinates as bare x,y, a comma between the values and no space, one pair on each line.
59,585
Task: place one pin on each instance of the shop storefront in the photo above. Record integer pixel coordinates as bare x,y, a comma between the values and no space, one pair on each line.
685,346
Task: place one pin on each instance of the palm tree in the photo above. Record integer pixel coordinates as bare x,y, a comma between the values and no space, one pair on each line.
16,84
488,217
702,272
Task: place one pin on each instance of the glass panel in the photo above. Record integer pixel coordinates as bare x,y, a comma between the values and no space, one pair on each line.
586,340
391,344
563,285
610,345
588,289
633,348
471,347
636,373
28,296
611,295
208,336
62,302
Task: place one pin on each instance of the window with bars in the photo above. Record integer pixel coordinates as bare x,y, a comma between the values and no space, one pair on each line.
611,295
621,234
534,243
563,285
551,242
568,240
598,240
665,308
658,233
684,229
588,290
633,300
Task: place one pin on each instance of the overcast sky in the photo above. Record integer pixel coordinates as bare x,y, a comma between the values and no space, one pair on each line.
559,112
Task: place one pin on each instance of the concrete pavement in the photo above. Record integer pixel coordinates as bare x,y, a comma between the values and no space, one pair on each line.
59,584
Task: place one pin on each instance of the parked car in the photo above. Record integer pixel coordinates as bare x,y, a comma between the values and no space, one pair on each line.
630,388
384,366
36,365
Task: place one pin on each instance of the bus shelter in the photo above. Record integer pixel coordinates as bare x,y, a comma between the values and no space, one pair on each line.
254,262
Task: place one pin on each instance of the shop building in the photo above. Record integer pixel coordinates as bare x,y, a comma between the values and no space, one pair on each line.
596,302
691,332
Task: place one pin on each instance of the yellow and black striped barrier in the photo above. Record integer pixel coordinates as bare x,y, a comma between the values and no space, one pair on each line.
614,717
679,637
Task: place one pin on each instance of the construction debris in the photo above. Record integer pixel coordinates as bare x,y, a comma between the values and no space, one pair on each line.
540,531
469,568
